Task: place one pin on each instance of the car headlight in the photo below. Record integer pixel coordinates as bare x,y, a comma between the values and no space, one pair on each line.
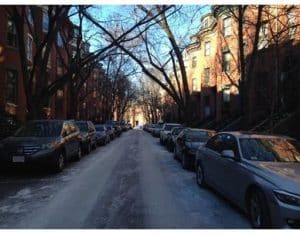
288,198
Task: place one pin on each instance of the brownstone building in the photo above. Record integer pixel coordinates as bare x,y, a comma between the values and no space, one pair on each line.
13,97
271,66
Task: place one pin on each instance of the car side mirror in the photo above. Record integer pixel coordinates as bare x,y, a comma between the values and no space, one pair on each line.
228,154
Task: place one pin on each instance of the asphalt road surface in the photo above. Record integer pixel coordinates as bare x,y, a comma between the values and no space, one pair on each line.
133,182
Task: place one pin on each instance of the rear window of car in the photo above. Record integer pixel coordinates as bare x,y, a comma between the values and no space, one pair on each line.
40,129
199,136
99,128
169,127
82,126
176,131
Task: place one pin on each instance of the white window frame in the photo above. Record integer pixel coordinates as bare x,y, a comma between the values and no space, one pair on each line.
227,26
194,84
29,47
207,48
45,24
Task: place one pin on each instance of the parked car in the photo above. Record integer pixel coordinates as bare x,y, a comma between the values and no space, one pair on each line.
156,130
102,135
42,142
110,131
167,127
171,137
258,173
87,135
187,143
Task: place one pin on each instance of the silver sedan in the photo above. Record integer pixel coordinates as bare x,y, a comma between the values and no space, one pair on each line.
258,173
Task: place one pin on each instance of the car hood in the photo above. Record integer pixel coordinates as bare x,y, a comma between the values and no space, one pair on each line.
283,174
21,141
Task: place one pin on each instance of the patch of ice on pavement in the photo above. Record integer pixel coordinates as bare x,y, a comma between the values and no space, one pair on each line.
14,208
23,194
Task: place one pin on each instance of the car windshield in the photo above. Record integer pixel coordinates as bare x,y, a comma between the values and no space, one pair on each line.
99,128
39,129
158,126
169,127
270,149
197,136
82,126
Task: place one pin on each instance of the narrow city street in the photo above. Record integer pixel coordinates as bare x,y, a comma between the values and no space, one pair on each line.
133,182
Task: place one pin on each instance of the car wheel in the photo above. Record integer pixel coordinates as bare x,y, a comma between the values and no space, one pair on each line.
258,210
59,163
79,154
200,176
89,148
175,153
184,161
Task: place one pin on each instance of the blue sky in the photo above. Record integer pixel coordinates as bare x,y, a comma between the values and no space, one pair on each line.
103,13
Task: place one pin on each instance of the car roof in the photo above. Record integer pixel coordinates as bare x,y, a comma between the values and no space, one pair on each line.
249,134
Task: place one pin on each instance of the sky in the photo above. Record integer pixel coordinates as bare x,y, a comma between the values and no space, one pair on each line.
103,13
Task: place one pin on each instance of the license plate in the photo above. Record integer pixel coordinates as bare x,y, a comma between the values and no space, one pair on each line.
18,159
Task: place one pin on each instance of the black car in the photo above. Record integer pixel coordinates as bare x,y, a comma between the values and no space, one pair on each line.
171,137
187,143
87,135
42,142
110,131
102,136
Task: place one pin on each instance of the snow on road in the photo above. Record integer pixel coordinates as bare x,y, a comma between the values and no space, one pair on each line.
131,183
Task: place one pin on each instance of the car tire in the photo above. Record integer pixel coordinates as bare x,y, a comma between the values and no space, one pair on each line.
184,162
200,179
175,153
59,163
258,210
88,148
79,154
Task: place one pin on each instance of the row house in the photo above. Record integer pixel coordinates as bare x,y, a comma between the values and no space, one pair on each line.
214,61
12,97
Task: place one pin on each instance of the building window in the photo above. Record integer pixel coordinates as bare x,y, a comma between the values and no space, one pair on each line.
45,21
60,40
29,47
194,84
263,36
226,61
12,86
12,39
227,26
292,23
207,48
206,76
205,23
226,94
194,61
49,61
29,15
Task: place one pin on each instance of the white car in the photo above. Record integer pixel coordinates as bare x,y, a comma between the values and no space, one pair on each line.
166,129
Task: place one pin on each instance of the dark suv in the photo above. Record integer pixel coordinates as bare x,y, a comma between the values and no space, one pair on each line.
42,142
87,135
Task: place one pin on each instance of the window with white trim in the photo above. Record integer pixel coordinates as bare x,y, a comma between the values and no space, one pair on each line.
207,48
29,46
